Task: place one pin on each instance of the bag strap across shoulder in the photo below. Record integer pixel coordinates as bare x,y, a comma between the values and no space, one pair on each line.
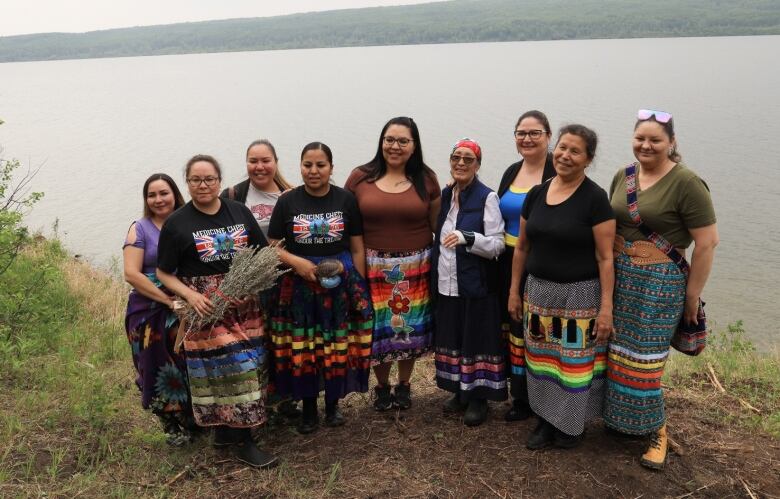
656,238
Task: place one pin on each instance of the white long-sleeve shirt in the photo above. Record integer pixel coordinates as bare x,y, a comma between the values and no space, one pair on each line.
488,245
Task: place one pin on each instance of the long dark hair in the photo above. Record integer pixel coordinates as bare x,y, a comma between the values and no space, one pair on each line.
178,198
416,169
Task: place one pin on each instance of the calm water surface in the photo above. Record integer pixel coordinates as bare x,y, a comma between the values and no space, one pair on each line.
100,127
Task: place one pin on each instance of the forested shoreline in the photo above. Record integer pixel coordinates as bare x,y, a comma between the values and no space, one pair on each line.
456,21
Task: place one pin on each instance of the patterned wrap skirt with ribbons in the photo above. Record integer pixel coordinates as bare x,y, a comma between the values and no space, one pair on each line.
322,337
566,366
648,303
227,363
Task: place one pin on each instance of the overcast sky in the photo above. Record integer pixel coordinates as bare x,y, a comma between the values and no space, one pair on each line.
42,16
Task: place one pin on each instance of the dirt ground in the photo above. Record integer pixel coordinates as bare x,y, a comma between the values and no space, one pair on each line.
422,453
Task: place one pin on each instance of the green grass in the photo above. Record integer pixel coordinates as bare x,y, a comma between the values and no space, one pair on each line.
751,380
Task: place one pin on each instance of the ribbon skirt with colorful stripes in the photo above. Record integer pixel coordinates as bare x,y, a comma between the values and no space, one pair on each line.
322,337
227,364
403,314
566,367
649,300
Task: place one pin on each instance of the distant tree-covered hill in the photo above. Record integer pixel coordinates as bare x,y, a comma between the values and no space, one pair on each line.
445,22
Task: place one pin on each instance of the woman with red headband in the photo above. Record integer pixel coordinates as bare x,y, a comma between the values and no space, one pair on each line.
674,205
470,234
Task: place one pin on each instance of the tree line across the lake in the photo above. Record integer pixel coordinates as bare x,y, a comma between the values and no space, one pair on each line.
453,21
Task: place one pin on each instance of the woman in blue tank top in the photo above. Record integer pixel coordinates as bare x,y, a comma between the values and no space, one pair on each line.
532,139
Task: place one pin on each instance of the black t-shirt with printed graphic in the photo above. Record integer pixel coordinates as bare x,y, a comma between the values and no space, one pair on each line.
316,226
193,243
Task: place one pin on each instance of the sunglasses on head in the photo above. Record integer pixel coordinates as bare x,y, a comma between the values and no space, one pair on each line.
660,116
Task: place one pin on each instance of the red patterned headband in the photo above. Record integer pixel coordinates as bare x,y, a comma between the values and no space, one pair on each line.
469,144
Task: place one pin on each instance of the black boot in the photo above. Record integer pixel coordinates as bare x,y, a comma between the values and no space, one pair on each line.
542,436
289,409
403,396
333,416
476,414
384,399
310,420
247,451
519,411
225,436
565,441
454,405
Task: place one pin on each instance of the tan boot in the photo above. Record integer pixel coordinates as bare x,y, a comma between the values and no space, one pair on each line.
655,456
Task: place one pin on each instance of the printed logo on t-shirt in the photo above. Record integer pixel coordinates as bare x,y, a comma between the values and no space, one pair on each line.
220,244
321,228
262,211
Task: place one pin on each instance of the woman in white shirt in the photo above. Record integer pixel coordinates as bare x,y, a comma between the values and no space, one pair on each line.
470,357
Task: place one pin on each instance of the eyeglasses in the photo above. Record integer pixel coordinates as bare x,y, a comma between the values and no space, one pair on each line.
660,116
534,134
467,160
196,181
401,141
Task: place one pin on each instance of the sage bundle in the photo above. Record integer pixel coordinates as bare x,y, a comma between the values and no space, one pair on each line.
251,272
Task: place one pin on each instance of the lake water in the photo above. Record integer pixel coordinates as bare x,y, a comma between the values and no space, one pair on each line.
100,127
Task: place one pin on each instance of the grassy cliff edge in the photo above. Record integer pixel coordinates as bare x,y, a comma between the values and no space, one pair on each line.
71,422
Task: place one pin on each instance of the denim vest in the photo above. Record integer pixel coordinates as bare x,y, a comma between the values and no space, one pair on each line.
477,276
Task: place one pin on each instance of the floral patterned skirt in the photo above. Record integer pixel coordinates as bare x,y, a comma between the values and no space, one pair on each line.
322,337
161,374
227,364
403,314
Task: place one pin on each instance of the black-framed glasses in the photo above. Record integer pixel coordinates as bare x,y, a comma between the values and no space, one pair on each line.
401,141
467,160
533,134
196,181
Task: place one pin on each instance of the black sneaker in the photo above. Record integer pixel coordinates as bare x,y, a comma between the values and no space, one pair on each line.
248,452
519,411
542,436
565,441
384,399
403,396
476,414
454,405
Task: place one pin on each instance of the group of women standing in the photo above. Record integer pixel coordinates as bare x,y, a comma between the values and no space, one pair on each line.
515,291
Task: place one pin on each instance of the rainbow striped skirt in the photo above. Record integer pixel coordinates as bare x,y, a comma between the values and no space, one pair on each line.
566,367
227,364
322,337
649,301
403,315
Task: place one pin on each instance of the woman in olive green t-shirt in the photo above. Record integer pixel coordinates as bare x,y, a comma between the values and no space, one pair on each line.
650,298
